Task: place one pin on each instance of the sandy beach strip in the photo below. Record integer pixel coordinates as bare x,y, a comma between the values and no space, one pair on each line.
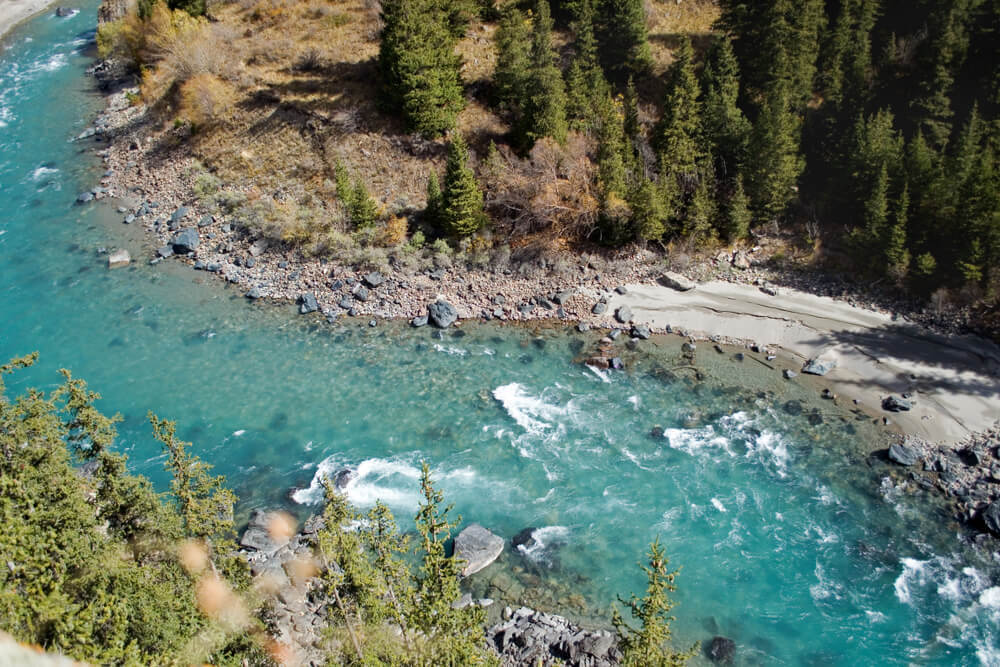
14,12
954,380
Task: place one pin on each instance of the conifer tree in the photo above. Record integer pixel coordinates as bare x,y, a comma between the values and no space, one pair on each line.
676,136
649,644
454,636
649,210
623,39
462,200
513,44
874,236
776,164
723,124
418,65
897,257
700,212
614,216
544,112
585,82
737,214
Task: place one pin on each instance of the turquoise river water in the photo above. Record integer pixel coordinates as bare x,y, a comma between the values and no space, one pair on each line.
791,541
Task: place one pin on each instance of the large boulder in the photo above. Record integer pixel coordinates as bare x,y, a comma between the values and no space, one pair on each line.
478,547
991,517
623,314
185,241
373,279
903,453
260,534
442,314
896,404
677,281
308,303
819,366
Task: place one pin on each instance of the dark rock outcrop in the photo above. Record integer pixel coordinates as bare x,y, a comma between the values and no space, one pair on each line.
532,637
185,241
442,314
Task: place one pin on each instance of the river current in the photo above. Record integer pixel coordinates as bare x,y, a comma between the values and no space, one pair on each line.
791,540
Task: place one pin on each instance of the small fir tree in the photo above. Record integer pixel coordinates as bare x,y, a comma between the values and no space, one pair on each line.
544,104
623,39
738,216
649,644
462,200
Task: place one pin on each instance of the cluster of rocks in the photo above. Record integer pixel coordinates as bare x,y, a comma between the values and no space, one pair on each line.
283,569
529,637
968,472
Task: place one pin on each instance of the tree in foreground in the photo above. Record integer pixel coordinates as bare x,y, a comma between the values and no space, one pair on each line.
648,645
621,33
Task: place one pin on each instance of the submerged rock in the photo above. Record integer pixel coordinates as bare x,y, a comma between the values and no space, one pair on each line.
721,650
118,258
478,547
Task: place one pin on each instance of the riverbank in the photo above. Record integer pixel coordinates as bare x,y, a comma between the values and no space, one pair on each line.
15,12
950,380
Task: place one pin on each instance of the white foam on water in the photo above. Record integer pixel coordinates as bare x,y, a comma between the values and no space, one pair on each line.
914,573
824,588
238,433
695,441
543,420
54,63
874,616
600,373
394,482
546,497
769,447
990,598
717,504
453,351
544,538
669,518
635,401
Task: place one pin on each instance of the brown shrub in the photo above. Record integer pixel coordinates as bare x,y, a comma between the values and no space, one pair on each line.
205,98
550,190
393,233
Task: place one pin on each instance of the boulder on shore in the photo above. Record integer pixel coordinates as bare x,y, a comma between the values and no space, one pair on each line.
819,366
991,517
896,404
677,281
308,303
441,314
904,454
185,241
478,547
623,314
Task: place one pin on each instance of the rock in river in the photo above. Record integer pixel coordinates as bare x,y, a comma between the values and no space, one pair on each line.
720,650
185,241
118,258
478,547
442,314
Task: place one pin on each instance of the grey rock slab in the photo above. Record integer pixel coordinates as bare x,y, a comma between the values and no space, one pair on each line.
118,258
677,281
623,314
819,366
903,454
308,303
185,241
478,547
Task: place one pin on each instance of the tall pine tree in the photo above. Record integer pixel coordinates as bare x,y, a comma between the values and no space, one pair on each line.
723,124
419,70
544,106
624,41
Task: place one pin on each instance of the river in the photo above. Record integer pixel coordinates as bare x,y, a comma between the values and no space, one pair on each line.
791,540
